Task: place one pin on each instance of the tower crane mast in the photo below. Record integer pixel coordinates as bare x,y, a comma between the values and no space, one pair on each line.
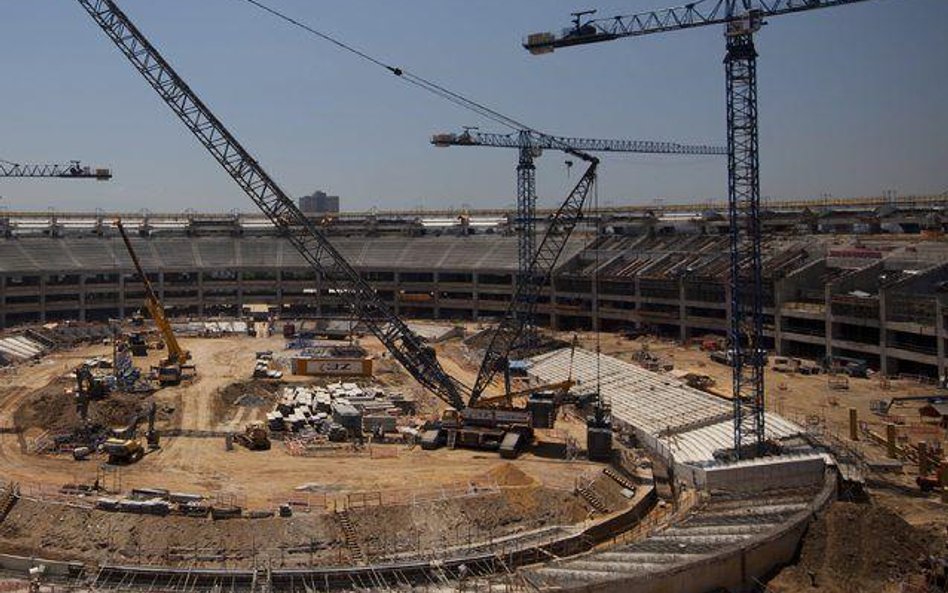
74,170
742,19
406,346
530,145
523,305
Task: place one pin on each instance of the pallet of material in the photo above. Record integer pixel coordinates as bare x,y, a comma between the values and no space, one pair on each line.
226,512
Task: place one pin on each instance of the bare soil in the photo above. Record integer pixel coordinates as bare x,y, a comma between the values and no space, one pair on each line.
70,533
852,547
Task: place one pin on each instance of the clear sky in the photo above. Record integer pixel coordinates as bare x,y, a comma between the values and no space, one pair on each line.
852,102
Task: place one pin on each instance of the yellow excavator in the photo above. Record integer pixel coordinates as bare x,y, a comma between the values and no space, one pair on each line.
170,368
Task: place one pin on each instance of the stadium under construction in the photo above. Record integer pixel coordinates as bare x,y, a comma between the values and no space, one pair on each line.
689,398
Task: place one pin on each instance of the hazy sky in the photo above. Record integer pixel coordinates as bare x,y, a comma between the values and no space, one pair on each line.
852,102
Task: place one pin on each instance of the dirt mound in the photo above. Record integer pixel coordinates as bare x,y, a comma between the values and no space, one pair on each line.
251,394
509,475
245,394
853,547
117,410
50,408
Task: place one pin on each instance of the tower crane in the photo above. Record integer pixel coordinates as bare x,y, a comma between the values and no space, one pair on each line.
333,269
169,371
407,347
741,20
74,170
530,146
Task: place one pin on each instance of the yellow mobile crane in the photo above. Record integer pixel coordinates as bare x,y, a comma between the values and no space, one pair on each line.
169,370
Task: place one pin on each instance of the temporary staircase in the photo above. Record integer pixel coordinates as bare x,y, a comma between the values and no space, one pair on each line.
8,497
594,500
619,478
352,543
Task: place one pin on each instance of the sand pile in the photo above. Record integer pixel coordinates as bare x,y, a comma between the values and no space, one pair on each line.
508,474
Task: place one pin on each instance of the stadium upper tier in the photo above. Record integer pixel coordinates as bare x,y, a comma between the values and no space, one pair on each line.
169,253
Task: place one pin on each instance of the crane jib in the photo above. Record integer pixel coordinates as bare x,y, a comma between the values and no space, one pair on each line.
315,248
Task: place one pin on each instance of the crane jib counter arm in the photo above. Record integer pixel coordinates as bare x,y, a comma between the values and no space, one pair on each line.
405,346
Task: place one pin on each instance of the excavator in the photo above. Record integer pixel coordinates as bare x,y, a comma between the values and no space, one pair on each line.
170,369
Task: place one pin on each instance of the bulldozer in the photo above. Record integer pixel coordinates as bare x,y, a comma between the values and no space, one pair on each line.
255,438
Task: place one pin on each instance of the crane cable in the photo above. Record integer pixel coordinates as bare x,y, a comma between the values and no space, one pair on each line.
421,82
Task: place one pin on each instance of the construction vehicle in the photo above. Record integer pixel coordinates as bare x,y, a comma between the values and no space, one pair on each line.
492,429
137,344
170,369
123,451
89,385
339,277
742,21
530,146
130,431
255,437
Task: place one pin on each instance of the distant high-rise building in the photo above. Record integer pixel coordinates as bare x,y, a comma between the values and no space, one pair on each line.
319,203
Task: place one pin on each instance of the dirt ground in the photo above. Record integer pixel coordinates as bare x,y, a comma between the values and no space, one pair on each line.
534,492
857,547
843,550
70,533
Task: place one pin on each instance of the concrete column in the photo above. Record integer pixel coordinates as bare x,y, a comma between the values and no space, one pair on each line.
240,291
778,317
475,297
42,296
828,323
3,302
682,312
940,336
853,424
890,440
398,288
200,290
638,300
82,297
121,294
883,334
279,289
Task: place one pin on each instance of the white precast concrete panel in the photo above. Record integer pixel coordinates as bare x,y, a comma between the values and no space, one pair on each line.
641,398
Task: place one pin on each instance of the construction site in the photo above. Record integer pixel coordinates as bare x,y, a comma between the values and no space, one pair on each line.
693,398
